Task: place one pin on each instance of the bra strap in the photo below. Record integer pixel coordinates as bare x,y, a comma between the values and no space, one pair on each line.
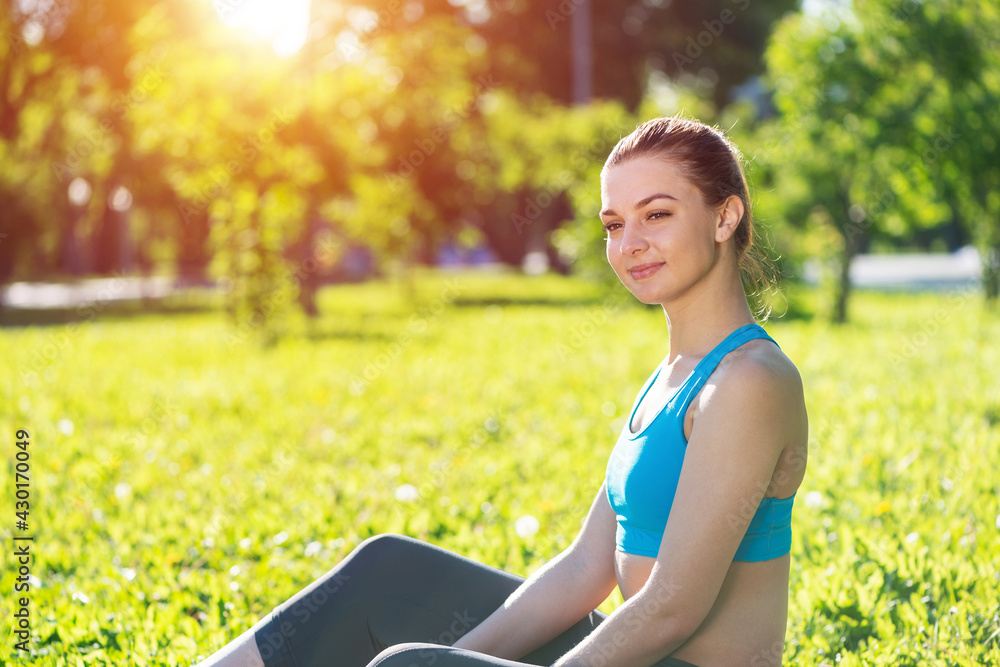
704,368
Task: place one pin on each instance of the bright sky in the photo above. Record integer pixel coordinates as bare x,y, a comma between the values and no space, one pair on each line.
818,7
282,23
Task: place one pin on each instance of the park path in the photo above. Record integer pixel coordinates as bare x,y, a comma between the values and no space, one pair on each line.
910,271
939,271
39,295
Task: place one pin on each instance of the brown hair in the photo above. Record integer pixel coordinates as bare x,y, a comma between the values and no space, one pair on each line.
714,165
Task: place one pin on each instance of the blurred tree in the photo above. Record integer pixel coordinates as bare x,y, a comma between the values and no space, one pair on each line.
524,48
867,140
75,75
960,149
717,43
31,91
540,154
274,153
398,125
18,227
428,125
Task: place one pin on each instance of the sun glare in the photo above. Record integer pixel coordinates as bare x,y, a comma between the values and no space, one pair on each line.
282,23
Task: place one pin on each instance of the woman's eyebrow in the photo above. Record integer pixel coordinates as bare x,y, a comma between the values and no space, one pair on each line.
643,202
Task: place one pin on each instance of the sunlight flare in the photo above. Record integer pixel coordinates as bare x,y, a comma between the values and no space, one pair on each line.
282,23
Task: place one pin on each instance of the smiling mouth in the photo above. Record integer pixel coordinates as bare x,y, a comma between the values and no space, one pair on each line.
644,270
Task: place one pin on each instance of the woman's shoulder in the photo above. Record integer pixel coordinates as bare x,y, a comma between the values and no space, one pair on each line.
761,371
764,360
756,395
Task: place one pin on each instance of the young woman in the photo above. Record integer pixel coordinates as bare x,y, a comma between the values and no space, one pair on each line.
692,521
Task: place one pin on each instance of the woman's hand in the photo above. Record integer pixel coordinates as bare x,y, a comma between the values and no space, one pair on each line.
557,595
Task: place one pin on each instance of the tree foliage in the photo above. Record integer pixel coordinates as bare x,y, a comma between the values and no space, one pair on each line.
882,126
404,126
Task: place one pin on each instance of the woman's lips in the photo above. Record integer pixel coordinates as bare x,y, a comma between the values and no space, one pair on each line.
644,270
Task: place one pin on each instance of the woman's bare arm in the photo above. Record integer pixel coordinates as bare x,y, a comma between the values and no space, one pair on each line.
734,448
557,595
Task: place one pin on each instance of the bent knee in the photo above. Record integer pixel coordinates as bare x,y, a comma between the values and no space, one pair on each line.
384,542
407,655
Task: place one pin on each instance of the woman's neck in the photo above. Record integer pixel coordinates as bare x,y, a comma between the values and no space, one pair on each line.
706,316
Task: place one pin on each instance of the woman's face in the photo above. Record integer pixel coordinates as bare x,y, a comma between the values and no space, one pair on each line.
662,237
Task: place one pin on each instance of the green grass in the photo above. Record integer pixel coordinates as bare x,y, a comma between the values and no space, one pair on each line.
204,479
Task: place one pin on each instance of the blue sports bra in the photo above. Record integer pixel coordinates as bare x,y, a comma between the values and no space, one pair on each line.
644,468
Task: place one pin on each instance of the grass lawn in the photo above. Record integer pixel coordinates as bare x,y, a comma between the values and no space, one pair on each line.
184,479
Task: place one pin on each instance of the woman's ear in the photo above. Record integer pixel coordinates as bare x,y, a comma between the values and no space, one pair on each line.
730,214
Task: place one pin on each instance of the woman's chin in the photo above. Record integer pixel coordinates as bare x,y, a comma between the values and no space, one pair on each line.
645,296
641,291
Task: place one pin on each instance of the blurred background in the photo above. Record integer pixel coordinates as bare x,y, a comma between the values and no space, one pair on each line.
398,199
264,149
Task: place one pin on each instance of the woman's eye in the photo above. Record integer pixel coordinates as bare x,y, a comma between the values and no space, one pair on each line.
611,226
656,215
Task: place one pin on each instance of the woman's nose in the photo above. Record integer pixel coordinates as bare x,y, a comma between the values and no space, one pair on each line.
632,239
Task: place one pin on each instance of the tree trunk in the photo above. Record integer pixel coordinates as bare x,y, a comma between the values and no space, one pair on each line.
107,237
991,274
407,280
852,243
308,266
193,251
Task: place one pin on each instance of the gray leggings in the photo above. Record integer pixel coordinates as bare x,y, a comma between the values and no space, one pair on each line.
399,602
